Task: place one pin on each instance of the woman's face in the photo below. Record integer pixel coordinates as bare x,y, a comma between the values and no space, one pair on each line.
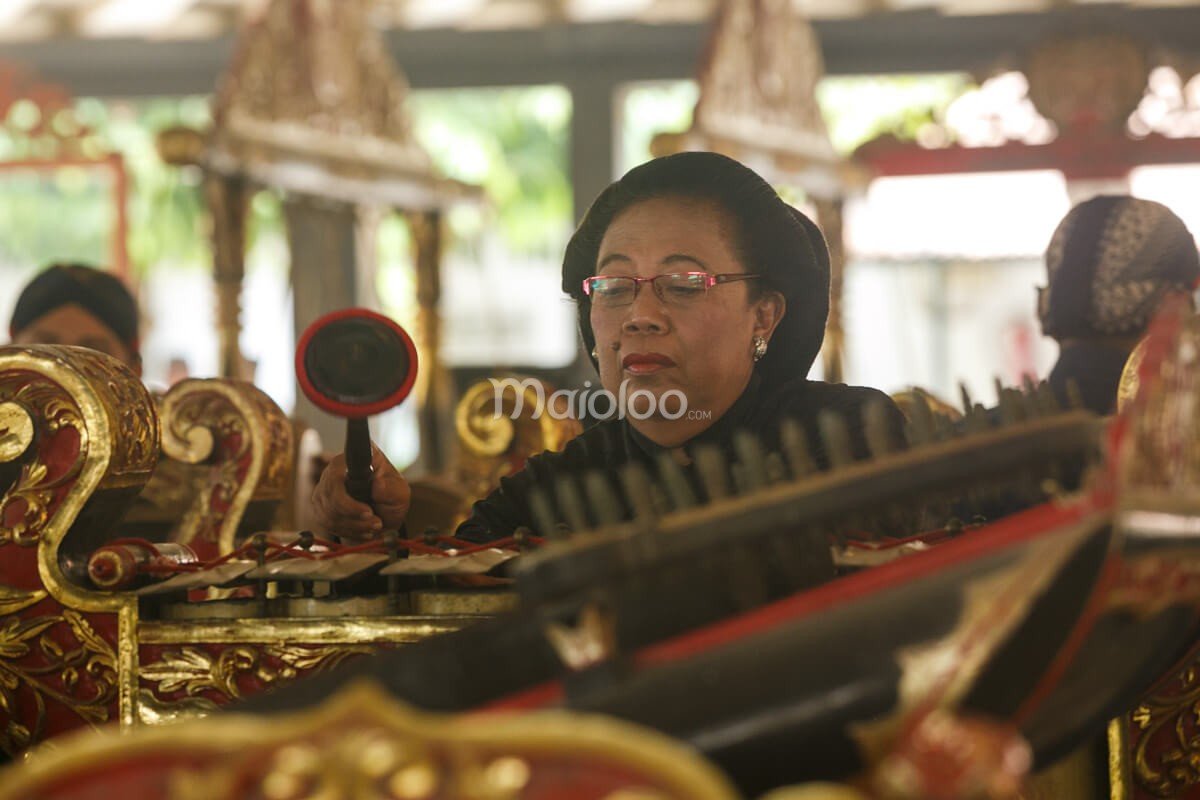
702,348
74,325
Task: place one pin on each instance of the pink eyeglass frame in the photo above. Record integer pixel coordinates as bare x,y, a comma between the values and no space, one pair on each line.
710,280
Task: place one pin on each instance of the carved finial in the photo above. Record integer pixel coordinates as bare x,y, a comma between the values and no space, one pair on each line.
714,472
606,508
675,482
795,448
878,429
639,490
571,503
836,438
543,515
752,459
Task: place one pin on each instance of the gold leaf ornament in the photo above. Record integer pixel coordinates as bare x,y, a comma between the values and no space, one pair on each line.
14,601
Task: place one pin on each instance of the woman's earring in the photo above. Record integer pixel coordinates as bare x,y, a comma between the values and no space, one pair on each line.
760,347
595,355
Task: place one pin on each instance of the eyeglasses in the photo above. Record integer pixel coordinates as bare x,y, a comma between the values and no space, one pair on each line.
674,288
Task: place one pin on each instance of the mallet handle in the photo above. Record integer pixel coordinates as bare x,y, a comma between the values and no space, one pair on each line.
358,460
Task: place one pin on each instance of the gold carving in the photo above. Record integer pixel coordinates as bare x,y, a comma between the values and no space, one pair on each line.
180,146
96,430
816,791
153,711
1166,737
1086,80
245,439
313,84
188,784
365,744
909,399
59,676
1155,471
1127,387
194,671
324,80
492,442
1120,767
483,429
43,380
14,600
40,398
758,97
95,444
346,630
16,431
133,420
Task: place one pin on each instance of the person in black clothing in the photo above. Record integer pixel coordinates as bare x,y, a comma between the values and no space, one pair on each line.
74,304
702,292
1109,265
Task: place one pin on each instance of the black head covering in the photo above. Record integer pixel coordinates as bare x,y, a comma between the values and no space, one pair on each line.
773,240
99,293
1109,264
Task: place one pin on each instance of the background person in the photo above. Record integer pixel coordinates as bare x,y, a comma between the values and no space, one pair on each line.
78,305
1110,263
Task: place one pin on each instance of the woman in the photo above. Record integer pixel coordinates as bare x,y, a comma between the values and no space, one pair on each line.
78,305
1109,265
696,284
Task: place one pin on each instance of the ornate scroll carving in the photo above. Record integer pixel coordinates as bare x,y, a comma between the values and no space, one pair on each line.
79,435
57,659
495,444
94,429
1165,737
27,504
217,672
246,442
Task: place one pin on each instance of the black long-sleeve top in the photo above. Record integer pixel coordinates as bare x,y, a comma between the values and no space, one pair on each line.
611,444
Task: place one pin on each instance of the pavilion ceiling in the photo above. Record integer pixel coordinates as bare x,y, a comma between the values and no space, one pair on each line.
33,20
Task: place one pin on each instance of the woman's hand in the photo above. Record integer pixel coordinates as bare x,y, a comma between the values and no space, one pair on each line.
339,514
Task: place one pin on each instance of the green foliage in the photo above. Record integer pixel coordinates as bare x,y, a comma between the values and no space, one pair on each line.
648,109
67,213
856,109
513,142
861,107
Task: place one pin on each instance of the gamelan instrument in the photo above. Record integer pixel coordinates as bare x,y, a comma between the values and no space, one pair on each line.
99,624
936,621
696,618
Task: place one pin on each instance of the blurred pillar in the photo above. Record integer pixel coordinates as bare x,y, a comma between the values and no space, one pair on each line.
228,200
434,389
594,139
322,240
829,218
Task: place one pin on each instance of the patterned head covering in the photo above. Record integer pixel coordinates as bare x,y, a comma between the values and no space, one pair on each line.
100,293
1109,264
